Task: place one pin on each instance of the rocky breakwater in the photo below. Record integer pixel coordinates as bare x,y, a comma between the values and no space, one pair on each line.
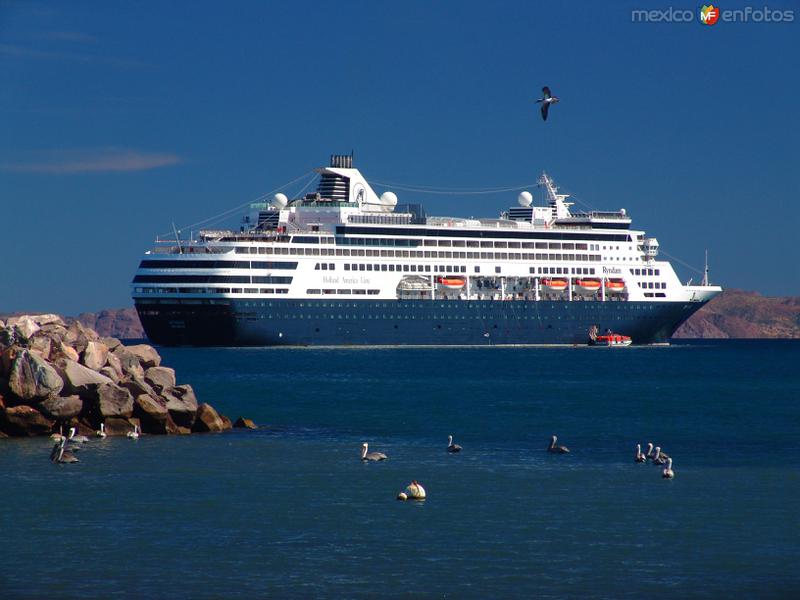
54,376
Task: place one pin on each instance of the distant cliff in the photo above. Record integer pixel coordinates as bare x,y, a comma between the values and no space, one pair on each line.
740,314
120,323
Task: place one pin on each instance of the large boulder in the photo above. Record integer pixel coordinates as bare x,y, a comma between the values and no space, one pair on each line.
152,412
129,362
207,420
61,350
243,423
48,319
61,408
227,425
24,326
81,380
137,386
147,355
181,404
114,401
32,378
160,378
79,336
95,354
110,342
112,362
25,421
41,344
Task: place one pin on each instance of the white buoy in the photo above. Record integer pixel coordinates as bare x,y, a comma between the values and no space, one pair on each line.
415,491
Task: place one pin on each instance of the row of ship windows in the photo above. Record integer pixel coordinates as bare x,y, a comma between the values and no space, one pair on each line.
416,243
389,316
652,285
431,254
171,290
414,305
344,292
646,272
212,279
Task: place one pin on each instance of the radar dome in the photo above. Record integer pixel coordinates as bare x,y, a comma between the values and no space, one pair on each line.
280,200
622,211
524,198
389,199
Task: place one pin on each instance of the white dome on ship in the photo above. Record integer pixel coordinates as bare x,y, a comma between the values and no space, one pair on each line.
389,199
525,198
280,200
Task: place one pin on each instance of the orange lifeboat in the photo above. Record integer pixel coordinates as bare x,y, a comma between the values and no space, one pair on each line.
587,285
454,283
557,285
615,285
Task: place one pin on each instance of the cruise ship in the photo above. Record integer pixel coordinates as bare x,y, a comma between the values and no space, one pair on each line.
345,266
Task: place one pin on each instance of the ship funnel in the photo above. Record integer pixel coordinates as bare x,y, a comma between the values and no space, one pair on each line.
342,161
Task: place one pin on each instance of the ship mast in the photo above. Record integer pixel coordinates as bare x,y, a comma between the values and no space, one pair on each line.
559,207
705,272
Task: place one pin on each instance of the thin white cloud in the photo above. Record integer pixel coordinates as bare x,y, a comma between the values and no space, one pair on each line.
66,36
17,51
104,160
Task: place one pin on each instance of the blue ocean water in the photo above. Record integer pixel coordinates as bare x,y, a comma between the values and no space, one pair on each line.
290,511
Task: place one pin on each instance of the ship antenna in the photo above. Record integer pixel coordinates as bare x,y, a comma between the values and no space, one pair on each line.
705,271
177,237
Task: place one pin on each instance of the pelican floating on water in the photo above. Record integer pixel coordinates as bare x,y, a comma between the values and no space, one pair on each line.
649,455
76,439
101,433
413,491
57,437
556,449
451,447
60,455
640,458
133,435
658,458
371,456
668,473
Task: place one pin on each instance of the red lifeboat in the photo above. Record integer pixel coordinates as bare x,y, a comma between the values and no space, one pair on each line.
557,285
615,285
587,285
612,339
453,283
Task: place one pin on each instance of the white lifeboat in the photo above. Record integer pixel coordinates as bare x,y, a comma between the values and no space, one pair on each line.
453,283
587,285
557,285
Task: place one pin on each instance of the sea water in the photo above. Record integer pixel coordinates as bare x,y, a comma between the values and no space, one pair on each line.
290,511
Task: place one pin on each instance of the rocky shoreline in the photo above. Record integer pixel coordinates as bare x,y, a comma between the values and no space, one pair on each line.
54,376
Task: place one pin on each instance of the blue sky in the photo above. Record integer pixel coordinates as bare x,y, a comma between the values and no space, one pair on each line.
118,118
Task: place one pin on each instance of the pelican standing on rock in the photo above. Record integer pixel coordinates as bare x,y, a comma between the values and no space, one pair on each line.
371,456
547,99
451,447
133,435
556,449
640,458
668,473
101,433
60,455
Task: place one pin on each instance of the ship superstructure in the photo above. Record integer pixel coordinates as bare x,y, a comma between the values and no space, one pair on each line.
345,266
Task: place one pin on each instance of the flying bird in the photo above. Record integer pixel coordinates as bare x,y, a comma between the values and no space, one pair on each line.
546,101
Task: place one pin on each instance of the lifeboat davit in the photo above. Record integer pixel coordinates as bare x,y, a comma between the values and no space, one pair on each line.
587,285
615,285
557,285
454,283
